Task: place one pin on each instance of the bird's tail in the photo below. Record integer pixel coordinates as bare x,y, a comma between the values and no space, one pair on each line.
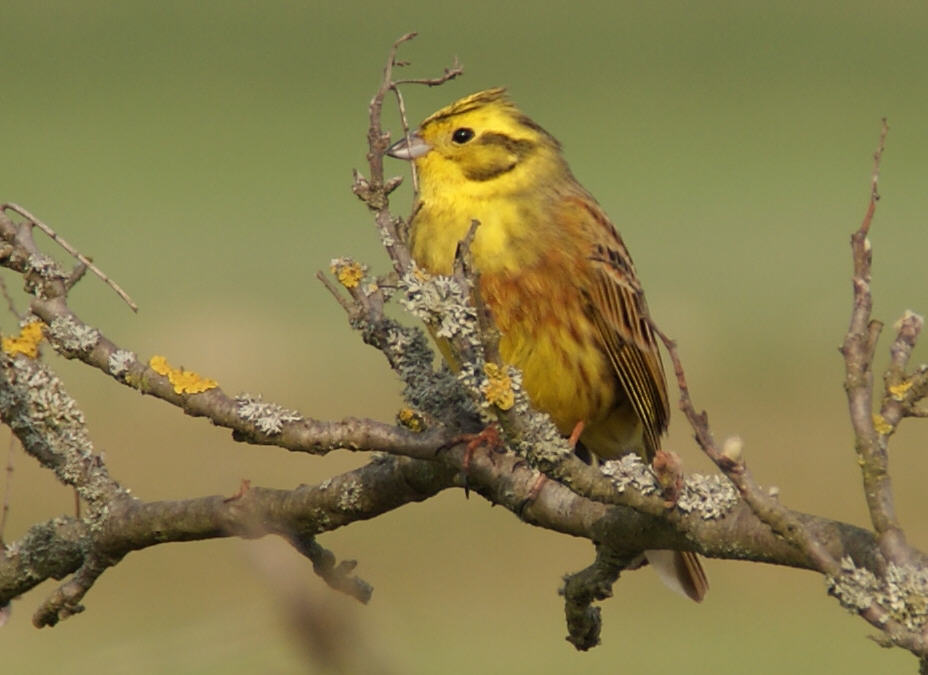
680,571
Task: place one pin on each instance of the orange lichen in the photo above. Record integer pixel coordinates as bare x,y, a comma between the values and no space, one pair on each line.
881,425
27,342
411,419
183,381
898,391
498,387
348,272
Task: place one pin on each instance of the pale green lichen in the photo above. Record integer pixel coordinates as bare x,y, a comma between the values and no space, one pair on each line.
120,361
436,393
905,595
628,471
902,592
268,417
441,303
855,588
45,266
72,336
53,429
349,496
711,496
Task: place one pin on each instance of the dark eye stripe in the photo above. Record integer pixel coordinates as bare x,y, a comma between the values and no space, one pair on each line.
518,147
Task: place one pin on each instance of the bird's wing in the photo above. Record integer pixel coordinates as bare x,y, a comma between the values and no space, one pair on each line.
620,314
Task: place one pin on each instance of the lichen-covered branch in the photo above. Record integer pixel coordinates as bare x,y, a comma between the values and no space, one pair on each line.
621,505
67,545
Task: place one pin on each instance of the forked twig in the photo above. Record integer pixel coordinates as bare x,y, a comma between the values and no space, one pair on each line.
54,236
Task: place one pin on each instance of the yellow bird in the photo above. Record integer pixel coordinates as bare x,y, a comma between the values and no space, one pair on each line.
555,275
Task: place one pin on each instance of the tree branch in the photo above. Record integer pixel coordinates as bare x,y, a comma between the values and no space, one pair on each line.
619,505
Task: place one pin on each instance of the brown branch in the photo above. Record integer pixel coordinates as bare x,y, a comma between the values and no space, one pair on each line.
621,507
7,488
375,191
67,546
902,391
84,260
51,428
731,461
365,493
858,350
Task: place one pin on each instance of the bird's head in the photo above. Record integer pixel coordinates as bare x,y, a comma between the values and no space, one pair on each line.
480,139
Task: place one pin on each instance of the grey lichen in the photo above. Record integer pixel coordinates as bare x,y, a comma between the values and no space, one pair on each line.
474,381
712,496
441,303
630,472
72,336
48,402
436,393
905,595
855,588
386,239
349,496
540,440
53,429
120,361
45,266
268,417
902,592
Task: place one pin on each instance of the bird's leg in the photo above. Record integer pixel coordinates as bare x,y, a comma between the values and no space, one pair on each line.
488,438
575,434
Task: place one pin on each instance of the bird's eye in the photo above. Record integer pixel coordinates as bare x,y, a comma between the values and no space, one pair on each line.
462,135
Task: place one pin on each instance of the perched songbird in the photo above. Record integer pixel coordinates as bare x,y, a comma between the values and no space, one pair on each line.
555,275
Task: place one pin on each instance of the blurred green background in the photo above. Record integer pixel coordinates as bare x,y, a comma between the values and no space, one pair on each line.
201,152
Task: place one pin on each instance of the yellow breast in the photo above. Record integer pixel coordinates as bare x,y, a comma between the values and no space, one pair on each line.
531,276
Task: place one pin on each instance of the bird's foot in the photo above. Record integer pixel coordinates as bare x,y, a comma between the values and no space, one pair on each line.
668,467
488,438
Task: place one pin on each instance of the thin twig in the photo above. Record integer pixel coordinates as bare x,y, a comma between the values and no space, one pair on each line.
875,178
7,487
9,299
71,250
858,349
766,508
404,120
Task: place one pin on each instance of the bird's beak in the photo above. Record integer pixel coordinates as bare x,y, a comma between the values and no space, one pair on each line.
411,149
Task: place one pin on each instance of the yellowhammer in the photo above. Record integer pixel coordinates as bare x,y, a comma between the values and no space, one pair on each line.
555,275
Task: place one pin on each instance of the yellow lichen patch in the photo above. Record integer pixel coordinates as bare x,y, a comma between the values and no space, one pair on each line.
411,419
898,391
348,272
498,387
183,381
27,342
881,425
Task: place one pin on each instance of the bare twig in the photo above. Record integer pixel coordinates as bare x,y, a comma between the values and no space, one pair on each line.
902,391
7,487
731,461
375,191
338,576
4,291
71,250
858,349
